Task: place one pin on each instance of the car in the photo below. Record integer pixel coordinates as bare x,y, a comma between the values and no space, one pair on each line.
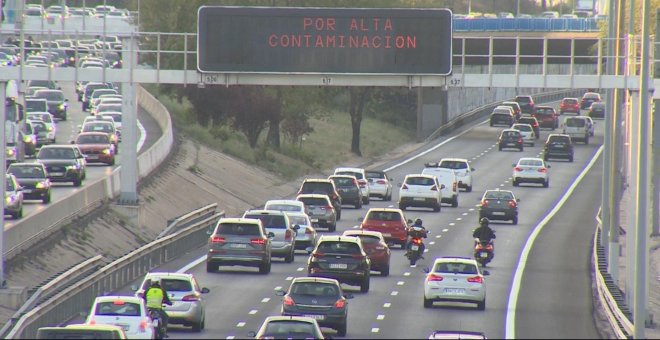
419,190
13,197
57,104
96,146
104,126
499,205
361,176
285,205
188,306
87,91
40,133
284,233
81,331
390,222
376,248
239,242
502,116
461,168
517,112
128,312
320,210
591,125
380,184
531,120
64,163
526,103
455,279
527,133
29,139
106,102
288,327
33,179
36,105
531,170
318,298
49,132
549,15
94,97
322,186
546,116
306,235
510,138
348,189
341,258
454,334
569,105
588,98
597,110
448,182
558,146
579,128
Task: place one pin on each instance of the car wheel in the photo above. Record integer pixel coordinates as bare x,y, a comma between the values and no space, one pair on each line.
264,268
515,183
358,204
290,257
385,271
586,140
468,188
402,207
112,162
46,198
499,148
364,286
570,159
338,214
428,303
515,220
481,305
454,202
546,183
341,329
437,207
77,182
366,200
211,267
332,227
197,327
520,149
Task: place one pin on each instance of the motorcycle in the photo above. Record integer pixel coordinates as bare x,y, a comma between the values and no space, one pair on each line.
416,245
483,251
159,325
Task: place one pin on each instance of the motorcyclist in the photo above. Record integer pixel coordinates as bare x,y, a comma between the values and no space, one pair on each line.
155,296
484,233
417,228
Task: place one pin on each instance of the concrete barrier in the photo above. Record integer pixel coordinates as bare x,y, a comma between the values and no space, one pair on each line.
33,228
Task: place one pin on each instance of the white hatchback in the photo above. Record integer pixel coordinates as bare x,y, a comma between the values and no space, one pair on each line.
285,205
527,133
127,312
531,170
455,279
420,190
461,168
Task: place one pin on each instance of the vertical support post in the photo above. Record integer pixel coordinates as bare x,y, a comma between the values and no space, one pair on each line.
185,59
129,175
655,221
3,163
420,112
490,62
517,62
633,161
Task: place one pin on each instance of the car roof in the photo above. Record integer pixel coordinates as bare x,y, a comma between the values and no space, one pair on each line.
511,130
338,238
522,124
452,334
530,159
296,213
315,279
424,175
571,98
340,176
454,160
510,103
349,169
355,232
323,180
58,146
127,298
292,202
313,196
287,318
239,220
169,275
454,259
385,210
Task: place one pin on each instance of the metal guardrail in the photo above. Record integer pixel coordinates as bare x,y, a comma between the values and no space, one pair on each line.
188,219
79,296
527,24
609,294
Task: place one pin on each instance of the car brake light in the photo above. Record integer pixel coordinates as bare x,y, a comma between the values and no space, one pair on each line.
217,239
308,230
143,325
543,170
478,246
287,235
341,303
476,279
484,203
517,169
404,187
434,188
288,301
381,181
489,247
191,297
318,254
434,277
512,203
258,241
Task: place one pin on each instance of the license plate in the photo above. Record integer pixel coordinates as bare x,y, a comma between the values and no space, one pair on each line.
454,291
498,213
57,174
316,317
238,245
92,156
338,265
415,248
483,254
27,191
418,199
314,220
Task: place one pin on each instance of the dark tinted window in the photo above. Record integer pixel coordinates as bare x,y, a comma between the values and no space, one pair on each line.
269,221
316,187
544,110
510,134
309,201
93,139
118,308
575,122
39,126
314,289
175,285
375,174
570,101
559,139
357,175
55,153
335,247
343,182
9,185
453,165
420,181
456,268
26,171
239,229
289,329
527,120
523,99
384,216
499,195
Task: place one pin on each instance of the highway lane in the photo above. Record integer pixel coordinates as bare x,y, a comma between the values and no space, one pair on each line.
240,298
67,130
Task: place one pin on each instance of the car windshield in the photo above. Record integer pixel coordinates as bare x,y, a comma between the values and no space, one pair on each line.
270,221
117,308
93,139
425,181
531,162
239,229
575,122
314,201
343,181
314,289
98,128
523,99
357,175
544,110
333,247
456,165
559,140
299,220
456,268
289,329
499,195
50,95
9,185
26,171
384,216
375,174
46,118
55,153
523,127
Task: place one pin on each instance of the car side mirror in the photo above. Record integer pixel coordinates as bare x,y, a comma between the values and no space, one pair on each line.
473,169
252,334
442,186
309,250
548,166
360,219
84,314
485,273
134,288
518,200
348,295
72,142
427,270
280,293
209,232
205,290
296,227
66,99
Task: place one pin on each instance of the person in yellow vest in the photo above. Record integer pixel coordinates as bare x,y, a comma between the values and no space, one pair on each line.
155,296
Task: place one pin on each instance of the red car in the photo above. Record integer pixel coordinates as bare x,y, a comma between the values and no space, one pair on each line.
377,250
569,105
547,117
97,147
389,222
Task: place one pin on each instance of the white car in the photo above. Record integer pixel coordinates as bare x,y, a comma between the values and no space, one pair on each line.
306,235
531,170
128,312
282,327
380,184
527,133
361,177
49,121
285,205
419,190
461,168
455,279
447,180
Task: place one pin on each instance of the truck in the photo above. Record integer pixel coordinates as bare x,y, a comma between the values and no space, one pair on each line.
15,122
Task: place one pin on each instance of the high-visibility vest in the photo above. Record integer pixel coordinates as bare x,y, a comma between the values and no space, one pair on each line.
155,298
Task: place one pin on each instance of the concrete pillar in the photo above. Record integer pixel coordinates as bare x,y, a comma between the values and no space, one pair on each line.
432,110
128,155
632,207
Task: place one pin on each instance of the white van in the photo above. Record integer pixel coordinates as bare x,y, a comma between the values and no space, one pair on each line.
448,178
579,128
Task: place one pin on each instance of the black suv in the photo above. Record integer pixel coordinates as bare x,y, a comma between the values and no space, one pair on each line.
558,146
64,163
348,189
341,258
500,116
323,187
57,104
32,177
526,103
321,298
510,138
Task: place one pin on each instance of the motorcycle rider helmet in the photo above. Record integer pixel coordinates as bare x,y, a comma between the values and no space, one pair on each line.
418,221
155,282
484,221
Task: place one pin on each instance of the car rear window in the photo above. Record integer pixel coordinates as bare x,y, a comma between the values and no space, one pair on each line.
528,120
270,221
368,239
499,195
171,285
316,187
544,110
314,289
570,101
239,229
375,174
559,140
289,328
282,207
336,247
357,175
310,201
523,99
453,165
117,308
420,181
575,122
456,268
384,216
530,162
523,127
510,133
343,181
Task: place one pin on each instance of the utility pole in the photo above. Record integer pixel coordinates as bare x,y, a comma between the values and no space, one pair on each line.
3,161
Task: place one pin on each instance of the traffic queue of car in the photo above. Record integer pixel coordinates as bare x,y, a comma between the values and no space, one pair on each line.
48,160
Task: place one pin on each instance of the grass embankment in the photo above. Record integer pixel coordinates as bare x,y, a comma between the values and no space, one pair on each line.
328,145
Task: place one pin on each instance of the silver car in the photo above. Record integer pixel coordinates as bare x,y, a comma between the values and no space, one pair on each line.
188,306
306,236
320,210
277,222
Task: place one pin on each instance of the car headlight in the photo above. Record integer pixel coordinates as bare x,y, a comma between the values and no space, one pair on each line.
73,167
42,185
107,152
62,106
49,128
11,152
11,198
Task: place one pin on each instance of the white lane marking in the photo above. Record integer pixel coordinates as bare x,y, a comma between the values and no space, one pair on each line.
471,209
510,329
278,288
394,293
191,264
253,312
356,226
465,214
299,269
432,243
406,274
380,317
445,230
451,224
459,218
231,337
240,324
375,330
401,283
426,250
265,300
143,135
387,305
413,266
438,236
289,278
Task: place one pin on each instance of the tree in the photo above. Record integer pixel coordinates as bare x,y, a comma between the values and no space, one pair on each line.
250,110
358,98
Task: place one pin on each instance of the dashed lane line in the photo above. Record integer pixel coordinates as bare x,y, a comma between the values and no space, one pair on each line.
253,312
406,274
240,324
289,278
432,243
375,330
394,293
401,283
387,305
380,317
265,300
445,230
